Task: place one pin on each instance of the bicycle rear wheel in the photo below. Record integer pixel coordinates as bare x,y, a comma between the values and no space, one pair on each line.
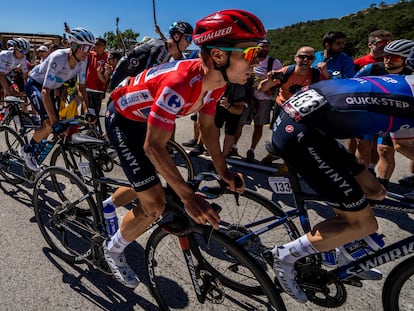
10,146
397,292
171,281
60,200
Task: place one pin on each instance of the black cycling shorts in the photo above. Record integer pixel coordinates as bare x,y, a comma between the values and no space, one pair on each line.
322,162
127,138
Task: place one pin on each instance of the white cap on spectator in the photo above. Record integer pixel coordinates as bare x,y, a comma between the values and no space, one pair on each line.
42,48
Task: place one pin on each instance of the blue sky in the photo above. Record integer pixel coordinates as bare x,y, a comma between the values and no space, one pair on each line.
47,17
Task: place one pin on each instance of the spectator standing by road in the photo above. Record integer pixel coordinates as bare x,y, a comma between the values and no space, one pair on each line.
260,109
290,79
338,63
96,84
377,40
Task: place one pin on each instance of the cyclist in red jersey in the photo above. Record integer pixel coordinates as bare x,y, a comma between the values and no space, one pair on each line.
141,116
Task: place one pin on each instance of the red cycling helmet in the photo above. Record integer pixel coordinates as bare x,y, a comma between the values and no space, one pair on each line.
228,26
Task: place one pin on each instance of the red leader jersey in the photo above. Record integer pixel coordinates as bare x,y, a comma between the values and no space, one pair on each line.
160,94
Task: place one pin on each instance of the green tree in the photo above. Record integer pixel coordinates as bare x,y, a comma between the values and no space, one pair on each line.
113,40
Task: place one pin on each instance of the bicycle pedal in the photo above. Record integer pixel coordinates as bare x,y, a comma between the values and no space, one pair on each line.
268,257
354,281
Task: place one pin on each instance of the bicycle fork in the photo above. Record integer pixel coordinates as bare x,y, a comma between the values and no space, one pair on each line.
185,247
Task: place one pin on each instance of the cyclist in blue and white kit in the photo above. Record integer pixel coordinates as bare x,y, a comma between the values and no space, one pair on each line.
11,59
59,67
305,136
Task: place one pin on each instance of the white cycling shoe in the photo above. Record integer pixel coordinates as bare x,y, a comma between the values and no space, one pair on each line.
286,275
120,268
30,159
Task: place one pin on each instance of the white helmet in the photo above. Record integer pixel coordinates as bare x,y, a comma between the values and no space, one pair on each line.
410,60
401,47
22,44
81,36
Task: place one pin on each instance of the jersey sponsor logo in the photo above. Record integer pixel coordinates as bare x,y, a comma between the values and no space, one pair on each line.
134,62
330,172
289,128
170,100
54,65
143,182
161,118
213,35
377,101
194,80
134,98
158,70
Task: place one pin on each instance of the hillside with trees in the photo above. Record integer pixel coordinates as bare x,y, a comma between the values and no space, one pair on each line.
397,18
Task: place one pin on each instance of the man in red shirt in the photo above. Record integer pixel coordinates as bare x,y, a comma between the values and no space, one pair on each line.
377,40
96,86
365,150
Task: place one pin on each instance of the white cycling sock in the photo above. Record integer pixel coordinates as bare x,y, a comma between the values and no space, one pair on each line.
117,243
295,250
108,201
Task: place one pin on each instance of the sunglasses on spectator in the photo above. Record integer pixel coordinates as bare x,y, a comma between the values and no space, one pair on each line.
249,53
381,42
393,58
308,57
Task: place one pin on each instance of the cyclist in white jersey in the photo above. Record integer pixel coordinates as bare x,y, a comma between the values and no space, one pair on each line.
59,67
12,59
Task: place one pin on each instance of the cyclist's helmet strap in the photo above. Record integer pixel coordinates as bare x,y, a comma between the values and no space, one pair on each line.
401,47
228,27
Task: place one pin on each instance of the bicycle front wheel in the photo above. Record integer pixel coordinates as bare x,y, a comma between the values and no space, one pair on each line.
182,160
245,217
172,281
10,146
65,213
397,292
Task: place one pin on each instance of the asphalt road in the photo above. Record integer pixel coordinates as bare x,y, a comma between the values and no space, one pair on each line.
33,278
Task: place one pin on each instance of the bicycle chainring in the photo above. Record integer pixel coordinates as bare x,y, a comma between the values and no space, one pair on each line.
321,287
212,288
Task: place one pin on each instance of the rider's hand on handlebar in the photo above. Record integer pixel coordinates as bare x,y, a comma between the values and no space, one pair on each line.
235,181
201,211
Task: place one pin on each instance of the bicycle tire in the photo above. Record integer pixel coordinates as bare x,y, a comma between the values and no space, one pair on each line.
60,215
10,146
182,160
169,282
398,287
243,218
26,120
